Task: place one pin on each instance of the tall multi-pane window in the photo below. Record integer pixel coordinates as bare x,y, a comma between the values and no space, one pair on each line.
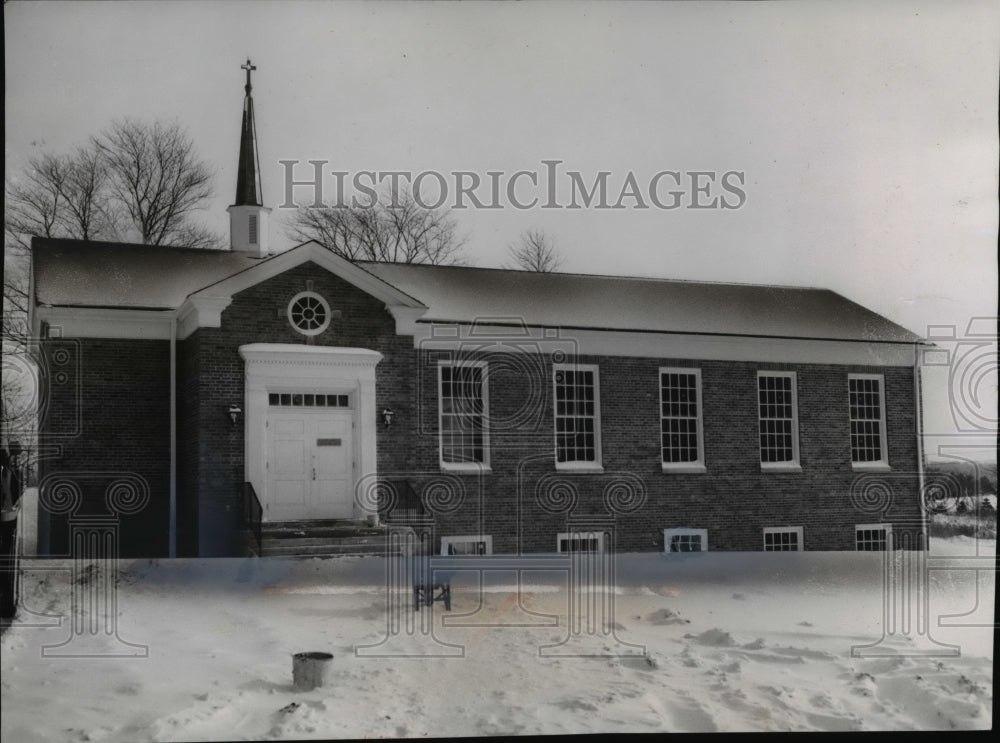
776,402
680,419
577,415
867,411
463,412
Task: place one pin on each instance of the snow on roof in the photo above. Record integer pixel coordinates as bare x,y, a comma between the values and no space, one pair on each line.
81,273
460,294
78,273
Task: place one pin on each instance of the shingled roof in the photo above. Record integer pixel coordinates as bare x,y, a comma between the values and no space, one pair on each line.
73,273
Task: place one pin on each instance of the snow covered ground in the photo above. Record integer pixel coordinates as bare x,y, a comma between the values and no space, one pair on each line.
696,642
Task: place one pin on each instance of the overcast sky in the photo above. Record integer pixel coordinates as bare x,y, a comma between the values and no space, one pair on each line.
867,132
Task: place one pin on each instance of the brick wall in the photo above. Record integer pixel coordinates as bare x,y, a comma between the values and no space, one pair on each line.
519,501
734,499
188,422
105,436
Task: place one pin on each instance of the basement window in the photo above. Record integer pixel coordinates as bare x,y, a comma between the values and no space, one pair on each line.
580,541
685,540
468,545
783,539
873,537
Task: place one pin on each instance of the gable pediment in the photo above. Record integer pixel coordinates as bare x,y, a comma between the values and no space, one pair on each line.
204,307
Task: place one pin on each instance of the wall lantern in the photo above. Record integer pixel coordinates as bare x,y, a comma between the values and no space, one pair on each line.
234,413
387,417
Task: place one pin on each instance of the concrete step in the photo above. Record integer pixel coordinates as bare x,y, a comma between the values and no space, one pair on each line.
323,539
290,548
327,529
313,539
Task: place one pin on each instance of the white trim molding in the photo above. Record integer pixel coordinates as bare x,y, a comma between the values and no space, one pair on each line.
324,258
406,318
203,311
94,322
203,308
663,345
280,367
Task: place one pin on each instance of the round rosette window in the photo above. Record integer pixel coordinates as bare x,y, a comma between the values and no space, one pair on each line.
309,313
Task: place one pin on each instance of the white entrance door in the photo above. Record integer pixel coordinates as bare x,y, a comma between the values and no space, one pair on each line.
310,470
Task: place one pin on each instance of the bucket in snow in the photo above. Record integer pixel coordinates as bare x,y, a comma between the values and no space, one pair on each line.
311,670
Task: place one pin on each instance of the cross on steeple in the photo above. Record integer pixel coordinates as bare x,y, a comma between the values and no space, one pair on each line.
249,68
248,174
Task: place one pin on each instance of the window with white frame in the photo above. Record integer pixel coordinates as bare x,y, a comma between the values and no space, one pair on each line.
463,401
872,537
576,395
309,313
778,415
867,411
481,544
685,540
580,541
782,538
680,419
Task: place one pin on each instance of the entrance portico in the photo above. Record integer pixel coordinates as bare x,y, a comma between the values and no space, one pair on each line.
310,428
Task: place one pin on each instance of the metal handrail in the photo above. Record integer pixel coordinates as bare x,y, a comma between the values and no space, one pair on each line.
253,514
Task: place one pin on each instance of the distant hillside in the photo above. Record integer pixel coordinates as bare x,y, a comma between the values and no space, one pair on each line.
974,478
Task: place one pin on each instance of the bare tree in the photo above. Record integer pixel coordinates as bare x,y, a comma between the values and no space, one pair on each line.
14,324
135,178
156,181
534,251
59,196
394,229
55,196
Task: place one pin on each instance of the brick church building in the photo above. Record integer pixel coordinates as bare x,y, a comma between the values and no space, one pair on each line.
189,393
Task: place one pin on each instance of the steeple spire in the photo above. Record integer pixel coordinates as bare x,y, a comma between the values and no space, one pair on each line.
248,217
248,191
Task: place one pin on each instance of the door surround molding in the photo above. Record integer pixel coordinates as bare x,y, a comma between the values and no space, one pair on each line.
285,367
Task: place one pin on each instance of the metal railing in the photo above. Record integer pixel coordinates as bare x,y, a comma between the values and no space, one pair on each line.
253,514
401,504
